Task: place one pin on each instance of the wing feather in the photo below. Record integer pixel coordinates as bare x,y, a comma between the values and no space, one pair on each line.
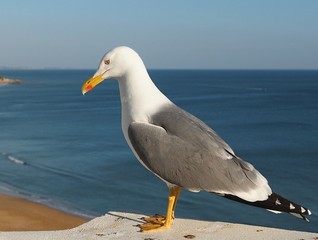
184,151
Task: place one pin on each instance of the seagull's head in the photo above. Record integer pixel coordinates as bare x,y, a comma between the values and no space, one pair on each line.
114,65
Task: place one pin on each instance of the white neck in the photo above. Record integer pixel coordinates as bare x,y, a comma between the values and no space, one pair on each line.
140,98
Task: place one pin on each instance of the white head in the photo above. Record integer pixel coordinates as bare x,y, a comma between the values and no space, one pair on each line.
115,64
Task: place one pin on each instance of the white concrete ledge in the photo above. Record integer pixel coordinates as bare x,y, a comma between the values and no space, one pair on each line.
122,226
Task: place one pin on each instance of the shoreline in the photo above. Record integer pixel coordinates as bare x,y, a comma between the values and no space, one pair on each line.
17,214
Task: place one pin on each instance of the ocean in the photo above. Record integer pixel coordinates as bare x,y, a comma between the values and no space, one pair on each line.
67,151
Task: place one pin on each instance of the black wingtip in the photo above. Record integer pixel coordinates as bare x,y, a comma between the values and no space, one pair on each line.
299,215
277,204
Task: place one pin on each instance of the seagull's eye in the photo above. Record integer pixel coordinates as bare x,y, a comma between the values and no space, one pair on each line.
107,61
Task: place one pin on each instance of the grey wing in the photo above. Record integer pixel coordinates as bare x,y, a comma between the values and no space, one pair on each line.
183,151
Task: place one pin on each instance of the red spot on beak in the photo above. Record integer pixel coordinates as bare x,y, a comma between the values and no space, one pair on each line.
89,87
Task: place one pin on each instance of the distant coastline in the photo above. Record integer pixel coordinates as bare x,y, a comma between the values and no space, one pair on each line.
4,80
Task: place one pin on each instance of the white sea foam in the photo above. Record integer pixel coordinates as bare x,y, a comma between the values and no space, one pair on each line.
15,160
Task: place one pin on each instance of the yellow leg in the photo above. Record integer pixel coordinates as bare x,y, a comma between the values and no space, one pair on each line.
159,219
177,194
159,223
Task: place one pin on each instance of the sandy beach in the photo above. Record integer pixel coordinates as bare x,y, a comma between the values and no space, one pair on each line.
21,215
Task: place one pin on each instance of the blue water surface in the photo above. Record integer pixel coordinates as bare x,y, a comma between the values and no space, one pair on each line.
66,150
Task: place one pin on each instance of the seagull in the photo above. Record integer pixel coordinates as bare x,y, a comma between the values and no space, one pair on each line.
179,148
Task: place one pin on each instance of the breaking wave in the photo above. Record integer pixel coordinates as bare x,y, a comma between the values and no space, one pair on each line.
15,160
49,169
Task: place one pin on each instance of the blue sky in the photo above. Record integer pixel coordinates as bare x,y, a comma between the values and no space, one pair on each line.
186,34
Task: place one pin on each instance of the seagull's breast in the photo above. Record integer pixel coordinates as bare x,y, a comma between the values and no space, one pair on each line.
140,99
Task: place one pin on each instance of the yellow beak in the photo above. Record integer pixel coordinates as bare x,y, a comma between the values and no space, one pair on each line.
91,83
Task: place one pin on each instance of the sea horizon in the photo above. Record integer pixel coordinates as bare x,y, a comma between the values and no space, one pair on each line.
180,69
